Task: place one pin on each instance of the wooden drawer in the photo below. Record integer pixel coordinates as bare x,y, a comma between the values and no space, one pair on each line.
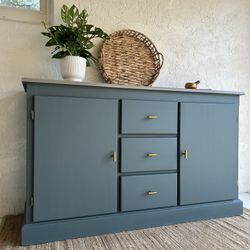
149,117
148,154
135,191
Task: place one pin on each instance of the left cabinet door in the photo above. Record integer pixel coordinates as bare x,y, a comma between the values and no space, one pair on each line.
74,172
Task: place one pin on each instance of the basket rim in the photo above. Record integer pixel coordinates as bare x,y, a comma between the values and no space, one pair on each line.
158,57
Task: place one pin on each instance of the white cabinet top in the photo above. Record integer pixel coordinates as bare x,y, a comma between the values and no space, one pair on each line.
26,81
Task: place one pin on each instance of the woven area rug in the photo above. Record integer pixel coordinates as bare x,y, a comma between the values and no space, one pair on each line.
226,233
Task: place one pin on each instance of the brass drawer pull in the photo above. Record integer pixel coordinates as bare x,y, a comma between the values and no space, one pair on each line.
152,155
152,193
185,154
152,117
114,157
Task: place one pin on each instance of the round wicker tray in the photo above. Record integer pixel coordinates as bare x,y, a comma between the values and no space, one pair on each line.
129,57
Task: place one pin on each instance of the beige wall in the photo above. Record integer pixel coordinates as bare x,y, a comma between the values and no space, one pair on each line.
201,39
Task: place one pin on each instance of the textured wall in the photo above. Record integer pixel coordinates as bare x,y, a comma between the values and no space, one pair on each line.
206,40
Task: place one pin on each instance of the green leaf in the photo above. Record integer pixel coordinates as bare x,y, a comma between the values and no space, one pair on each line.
81,19
84,14
91,61
64,12
53,29
51,42
86,54
73,13
100,33
46,34
56,48
60,54
88,27
89,45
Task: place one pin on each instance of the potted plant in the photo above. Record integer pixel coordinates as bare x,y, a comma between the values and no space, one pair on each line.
72,41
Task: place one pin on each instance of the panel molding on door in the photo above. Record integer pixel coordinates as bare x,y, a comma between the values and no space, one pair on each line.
208,132
74,173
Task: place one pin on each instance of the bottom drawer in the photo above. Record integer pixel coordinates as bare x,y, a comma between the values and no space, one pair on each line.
148,191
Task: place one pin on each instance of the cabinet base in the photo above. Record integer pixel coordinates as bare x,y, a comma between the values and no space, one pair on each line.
43,232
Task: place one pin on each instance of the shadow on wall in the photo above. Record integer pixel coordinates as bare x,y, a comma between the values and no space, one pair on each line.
12,153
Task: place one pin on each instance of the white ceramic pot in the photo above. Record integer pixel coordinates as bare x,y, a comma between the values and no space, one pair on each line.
73,68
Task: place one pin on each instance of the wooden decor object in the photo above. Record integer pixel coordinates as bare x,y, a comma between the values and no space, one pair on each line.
129,57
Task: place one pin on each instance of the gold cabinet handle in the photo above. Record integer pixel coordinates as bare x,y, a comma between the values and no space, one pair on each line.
150,193
114,157
185,154
152,117
152,155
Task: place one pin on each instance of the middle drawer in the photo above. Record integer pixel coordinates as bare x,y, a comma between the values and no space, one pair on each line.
148,154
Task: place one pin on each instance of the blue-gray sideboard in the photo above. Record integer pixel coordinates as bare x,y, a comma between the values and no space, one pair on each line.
103,158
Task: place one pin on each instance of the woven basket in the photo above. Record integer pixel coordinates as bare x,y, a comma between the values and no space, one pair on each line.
129,57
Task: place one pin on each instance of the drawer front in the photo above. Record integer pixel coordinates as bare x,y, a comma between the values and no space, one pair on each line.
148,191
149,117
149,154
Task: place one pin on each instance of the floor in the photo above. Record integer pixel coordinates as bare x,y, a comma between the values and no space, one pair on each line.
226,233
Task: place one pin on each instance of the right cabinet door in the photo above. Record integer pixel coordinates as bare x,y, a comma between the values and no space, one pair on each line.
209,152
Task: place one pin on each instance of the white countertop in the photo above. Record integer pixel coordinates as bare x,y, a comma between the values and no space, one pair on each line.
106,85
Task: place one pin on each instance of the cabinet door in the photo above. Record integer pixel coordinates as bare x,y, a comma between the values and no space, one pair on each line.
74,173
209,133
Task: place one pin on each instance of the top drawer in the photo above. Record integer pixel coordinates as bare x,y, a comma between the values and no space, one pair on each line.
149,117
